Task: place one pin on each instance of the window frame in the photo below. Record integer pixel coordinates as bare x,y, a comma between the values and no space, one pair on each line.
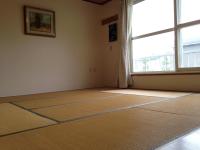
176,29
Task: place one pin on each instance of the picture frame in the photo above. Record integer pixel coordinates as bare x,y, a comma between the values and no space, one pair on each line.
113,34
39,22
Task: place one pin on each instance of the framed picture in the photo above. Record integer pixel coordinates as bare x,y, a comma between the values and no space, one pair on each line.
39,21
113,32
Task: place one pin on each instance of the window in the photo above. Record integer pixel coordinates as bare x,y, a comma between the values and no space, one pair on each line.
190,47
165,35
189,10
150,56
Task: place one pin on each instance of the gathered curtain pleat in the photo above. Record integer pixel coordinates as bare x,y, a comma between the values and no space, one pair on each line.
125,63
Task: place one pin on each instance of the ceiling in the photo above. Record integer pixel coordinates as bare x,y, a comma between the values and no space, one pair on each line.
100,2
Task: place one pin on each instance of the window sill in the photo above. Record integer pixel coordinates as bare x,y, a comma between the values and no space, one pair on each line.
165,73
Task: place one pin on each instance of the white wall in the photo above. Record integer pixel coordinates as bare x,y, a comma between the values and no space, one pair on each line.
168,82
110,50
33,64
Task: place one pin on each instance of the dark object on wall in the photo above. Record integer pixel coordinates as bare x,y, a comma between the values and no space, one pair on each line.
39,22
110,19
99,2
113,32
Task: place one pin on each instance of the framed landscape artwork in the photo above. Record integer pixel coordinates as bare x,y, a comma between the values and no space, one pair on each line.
39,21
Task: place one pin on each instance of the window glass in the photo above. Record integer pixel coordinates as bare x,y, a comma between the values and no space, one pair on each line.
157,52
154,53
152,15
190,47
190,10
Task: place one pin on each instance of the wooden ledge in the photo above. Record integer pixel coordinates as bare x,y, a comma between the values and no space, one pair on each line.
165,74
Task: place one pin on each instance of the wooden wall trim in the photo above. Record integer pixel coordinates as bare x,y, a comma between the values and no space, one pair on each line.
106,2
164,74
103,3
110,19
156,89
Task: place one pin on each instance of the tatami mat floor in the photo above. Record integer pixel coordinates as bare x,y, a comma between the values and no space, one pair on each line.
14,119
64,98
97,120
187,105
90,108
188,142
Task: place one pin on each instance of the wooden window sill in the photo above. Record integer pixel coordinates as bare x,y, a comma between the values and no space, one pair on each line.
165,73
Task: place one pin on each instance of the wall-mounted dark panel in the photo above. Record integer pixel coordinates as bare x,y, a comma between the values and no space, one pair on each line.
113,32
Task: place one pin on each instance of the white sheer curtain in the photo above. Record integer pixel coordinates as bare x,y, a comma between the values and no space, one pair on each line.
124,64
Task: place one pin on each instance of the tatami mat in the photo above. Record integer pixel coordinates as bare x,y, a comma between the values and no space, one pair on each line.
133,129
187,142
14,119
77,110
188,105
59,98
45,95
165,94
64,98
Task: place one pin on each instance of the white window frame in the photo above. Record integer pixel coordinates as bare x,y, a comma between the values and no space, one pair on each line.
176,29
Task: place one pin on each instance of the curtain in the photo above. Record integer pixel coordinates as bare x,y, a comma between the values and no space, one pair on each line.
124,63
